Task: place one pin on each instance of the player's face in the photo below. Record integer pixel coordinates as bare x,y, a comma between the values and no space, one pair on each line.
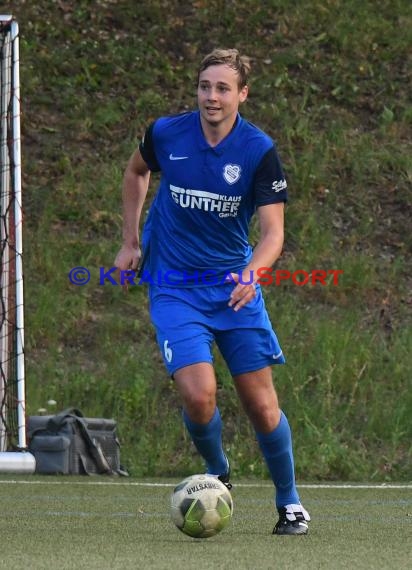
218,94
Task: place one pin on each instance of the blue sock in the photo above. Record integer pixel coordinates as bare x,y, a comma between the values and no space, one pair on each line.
208,441
277,451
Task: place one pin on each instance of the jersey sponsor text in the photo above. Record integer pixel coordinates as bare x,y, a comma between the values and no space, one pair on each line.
225,206
278,185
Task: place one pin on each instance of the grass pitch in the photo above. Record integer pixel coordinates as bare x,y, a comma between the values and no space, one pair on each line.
99,523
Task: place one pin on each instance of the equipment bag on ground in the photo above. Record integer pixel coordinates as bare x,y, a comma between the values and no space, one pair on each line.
68,443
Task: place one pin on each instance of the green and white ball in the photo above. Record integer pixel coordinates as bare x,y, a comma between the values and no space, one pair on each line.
202,506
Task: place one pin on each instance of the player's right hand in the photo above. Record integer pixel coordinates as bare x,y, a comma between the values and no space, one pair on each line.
128,258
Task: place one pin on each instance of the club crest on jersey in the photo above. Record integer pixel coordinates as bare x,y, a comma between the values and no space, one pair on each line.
231,173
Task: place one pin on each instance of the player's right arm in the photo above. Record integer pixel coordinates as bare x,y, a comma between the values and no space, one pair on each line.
135,186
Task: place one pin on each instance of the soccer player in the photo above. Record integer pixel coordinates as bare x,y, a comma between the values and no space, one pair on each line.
217,170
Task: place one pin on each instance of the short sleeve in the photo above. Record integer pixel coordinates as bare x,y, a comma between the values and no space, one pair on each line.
147,149
270,186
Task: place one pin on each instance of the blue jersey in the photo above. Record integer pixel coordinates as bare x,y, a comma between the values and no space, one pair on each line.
197,228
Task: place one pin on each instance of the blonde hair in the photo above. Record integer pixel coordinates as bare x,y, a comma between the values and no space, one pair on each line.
230,57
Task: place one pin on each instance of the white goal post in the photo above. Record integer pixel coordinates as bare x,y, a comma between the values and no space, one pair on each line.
14,457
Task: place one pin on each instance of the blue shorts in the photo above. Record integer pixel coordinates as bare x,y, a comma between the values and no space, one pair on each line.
189,320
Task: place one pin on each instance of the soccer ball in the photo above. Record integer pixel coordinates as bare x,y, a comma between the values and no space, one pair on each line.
202,506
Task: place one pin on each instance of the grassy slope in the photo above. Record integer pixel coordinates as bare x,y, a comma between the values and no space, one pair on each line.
330,84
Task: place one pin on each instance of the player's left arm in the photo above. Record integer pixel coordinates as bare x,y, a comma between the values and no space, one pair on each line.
266,252
270,194
270,244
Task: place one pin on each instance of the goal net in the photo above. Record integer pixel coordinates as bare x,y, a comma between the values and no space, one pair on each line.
12,389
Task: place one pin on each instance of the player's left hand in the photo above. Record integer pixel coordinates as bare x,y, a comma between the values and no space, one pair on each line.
242,293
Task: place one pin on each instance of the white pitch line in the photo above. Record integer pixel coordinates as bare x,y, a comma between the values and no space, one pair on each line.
382,486
354,486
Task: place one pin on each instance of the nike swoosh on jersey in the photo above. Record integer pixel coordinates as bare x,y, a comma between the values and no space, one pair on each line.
171,157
